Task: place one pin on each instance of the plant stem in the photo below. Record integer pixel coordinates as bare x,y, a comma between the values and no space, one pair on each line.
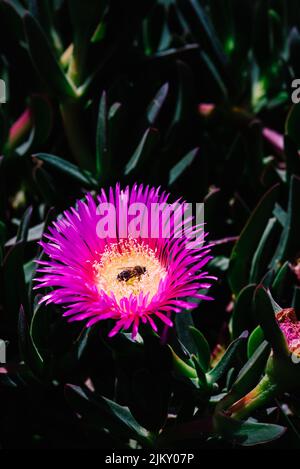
260,395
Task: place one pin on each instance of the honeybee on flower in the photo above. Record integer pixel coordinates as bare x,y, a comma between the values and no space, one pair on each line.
97,273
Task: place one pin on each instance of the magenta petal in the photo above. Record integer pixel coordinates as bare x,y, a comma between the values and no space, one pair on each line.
73,245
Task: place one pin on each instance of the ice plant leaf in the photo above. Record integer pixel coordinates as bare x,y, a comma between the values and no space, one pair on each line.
84,19
185,431
288,244
102,136
106,135
255,340
44,60
251,371
203,350
296,298
183,368
202,27
182,166
214,74
34,234
14,288
40,325
182,323
260,257
157,103
67,168
266,316
249,433
292,123
226,361
242,253
292,156
24,226
242,318
102,411
2,239
283,280
200,374
186,93
247,378
143,150
69,361
28,350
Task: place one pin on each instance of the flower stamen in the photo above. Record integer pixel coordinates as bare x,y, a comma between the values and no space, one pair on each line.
129,268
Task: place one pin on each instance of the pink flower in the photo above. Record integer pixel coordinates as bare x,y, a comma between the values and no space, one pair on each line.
132,276
290,326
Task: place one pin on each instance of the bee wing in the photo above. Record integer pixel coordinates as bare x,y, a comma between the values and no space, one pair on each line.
131,274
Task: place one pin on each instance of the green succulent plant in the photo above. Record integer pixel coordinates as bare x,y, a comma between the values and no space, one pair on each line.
192,95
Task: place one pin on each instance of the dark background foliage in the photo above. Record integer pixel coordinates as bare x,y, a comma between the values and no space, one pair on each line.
177,93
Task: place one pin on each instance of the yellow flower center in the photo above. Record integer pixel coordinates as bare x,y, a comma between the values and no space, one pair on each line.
127,268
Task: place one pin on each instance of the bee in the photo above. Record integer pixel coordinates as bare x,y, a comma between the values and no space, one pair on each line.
131,273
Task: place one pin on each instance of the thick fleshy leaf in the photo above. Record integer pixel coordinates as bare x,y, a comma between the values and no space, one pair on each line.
70,360
251,372
262,252
101,136
250,433
44,59
185,93
243,251
67,168
200,374
181,367
182,166
266,316
185,431
2,239
28,350
43,13
14,287
214,74
183,322
283,280
84,18
296,298
23,230
202,347
202,27
105,413
143,151
242,318
34,234
255,340
292,157
227,359
292,123
288,245
156,104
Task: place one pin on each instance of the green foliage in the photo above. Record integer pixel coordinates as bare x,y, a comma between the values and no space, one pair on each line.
179,94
